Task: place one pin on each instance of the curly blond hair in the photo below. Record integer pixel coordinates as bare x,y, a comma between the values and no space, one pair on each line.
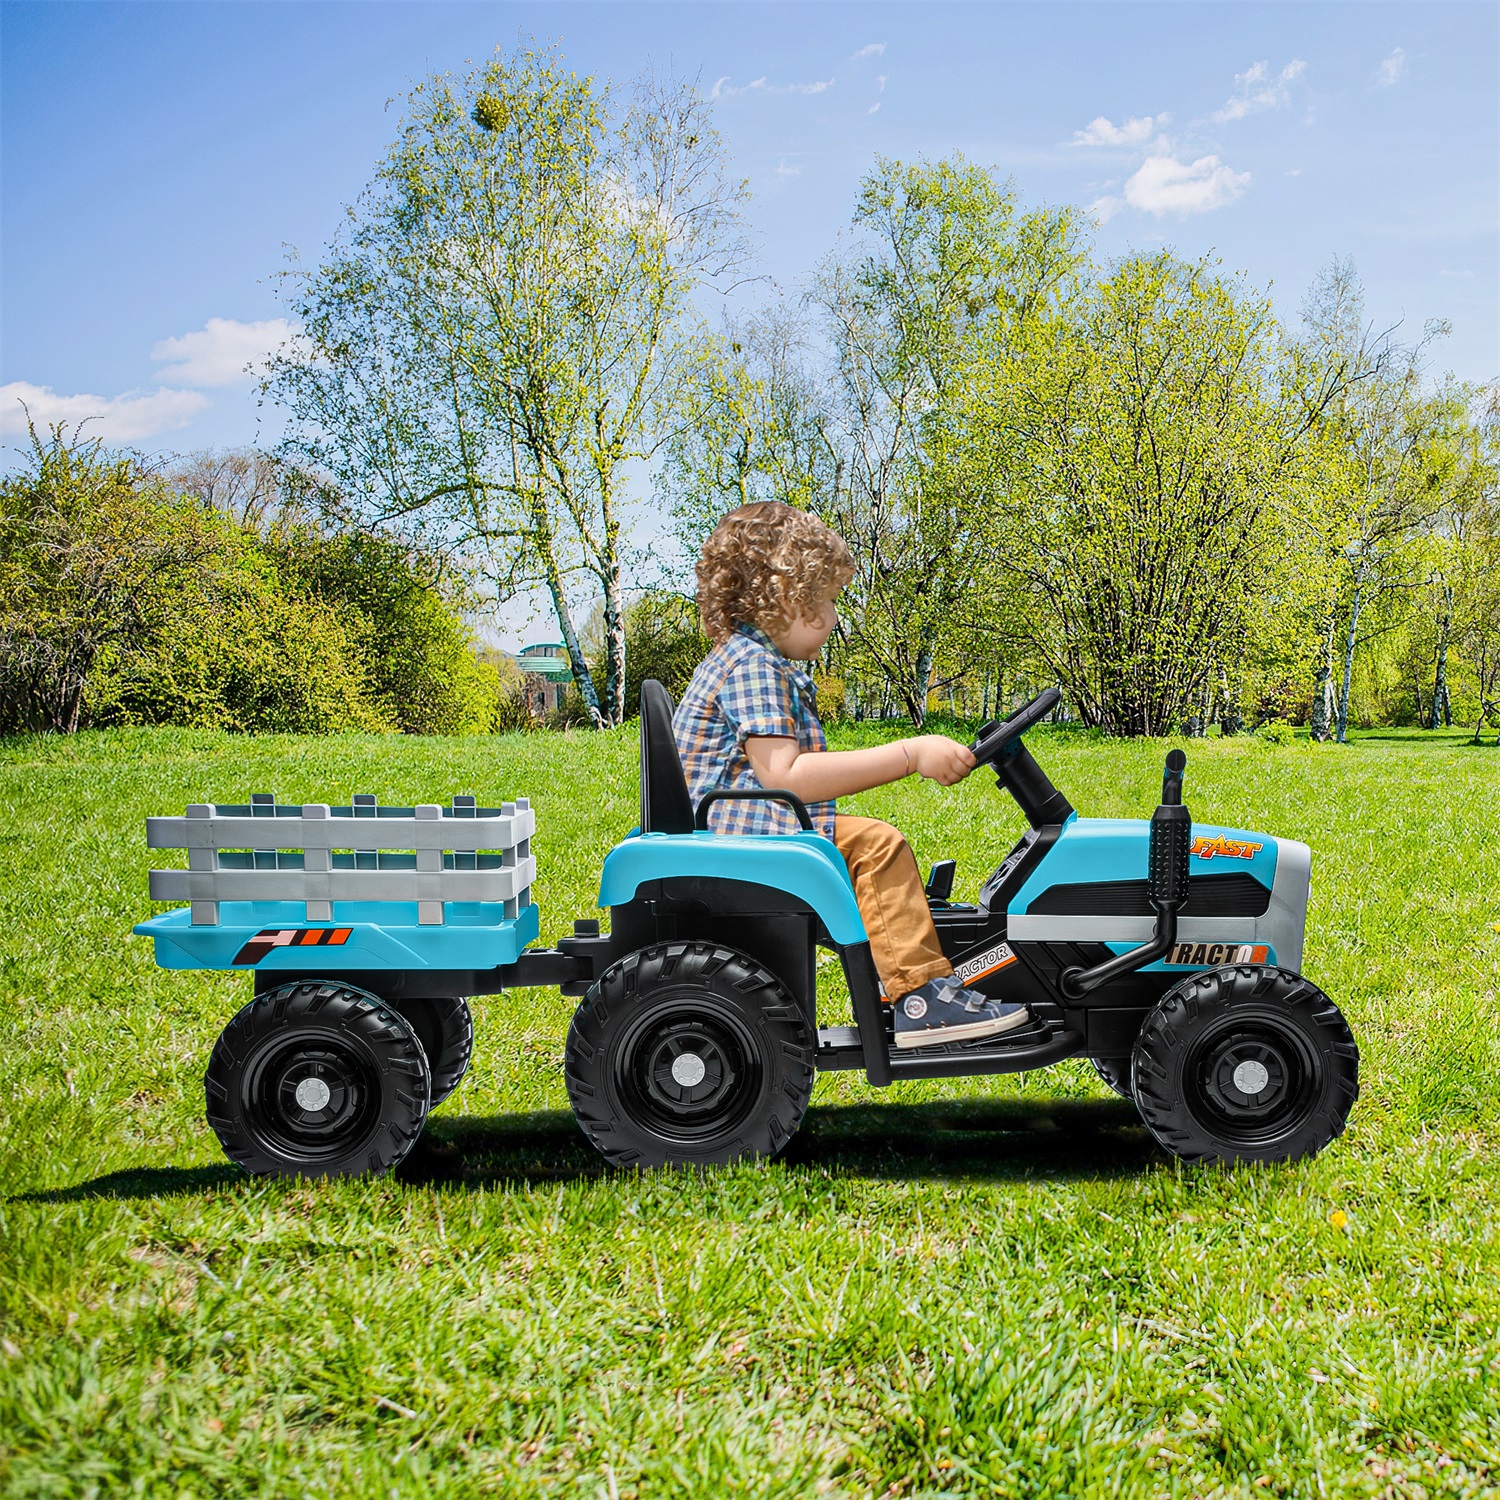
768,564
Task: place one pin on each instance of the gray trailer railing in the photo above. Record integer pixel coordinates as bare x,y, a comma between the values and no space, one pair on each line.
319,854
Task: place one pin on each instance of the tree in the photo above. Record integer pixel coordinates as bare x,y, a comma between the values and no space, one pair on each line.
1136,452
94,559
502,330
940,254
943,261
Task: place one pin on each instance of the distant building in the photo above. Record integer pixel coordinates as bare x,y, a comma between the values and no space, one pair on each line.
547,675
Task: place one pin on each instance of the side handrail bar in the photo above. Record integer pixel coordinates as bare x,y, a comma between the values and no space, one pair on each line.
751,794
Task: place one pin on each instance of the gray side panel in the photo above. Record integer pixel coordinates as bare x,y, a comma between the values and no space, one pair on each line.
1285,922
1045,929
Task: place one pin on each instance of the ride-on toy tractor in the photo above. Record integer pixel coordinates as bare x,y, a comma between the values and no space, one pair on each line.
1165,952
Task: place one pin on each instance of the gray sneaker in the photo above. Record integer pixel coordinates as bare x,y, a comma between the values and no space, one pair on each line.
942,1010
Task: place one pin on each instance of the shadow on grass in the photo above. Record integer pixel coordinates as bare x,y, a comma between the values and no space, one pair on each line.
973,1139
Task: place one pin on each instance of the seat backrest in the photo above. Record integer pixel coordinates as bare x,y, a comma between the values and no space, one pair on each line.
666,806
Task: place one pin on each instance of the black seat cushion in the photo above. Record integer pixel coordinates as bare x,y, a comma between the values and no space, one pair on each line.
665,804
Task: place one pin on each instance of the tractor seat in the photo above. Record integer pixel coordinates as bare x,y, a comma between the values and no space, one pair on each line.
666,806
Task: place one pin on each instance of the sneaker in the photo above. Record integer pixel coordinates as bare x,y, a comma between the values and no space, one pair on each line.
942,1010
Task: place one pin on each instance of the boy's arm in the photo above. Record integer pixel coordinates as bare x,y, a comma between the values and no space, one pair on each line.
821,775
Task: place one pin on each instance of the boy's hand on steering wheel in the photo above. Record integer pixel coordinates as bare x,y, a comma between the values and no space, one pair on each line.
940,759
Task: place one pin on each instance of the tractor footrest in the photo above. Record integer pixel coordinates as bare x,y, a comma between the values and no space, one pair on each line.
1032,1034
1034,1046
839,1048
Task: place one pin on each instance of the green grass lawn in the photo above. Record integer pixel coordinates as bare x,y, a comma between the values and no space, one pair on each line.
988,1287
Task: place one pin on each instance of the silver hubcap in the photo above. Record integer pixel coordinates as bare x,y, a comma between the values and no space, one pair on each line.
688,1069
312,1095
1251,1077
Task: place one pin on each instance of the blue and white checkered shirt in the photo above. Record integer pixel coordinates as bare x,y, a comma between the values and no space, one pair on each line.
745,686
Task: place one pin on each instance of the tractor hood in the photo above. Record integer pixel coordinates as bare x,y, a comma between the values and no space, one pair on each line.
1248,891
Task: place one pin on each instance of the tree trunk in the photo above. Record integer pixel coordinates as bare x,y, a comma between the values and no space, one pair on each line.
1322,704
1341,736
542,544
1231,719
921,681
614,649
1442,709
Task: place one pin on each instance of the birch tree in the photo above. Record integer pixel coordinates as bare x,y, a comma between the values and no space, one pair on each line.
490,345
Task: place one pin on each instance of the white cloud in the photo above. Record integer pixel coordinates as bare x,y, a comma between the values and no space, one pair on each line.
1164,185
723,89
880,81
1104,209
222,352
116,419
874,49
785,168
1391,69
1256,89
872,109
1099,132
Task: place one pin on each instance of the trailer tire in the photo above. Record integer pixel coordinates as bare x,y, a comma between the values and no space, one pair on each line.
1245,1064
689,1054
445,1028
317,1079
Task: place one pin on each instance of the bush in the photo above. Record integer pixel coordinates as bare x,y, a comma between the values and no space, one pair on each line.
1277,732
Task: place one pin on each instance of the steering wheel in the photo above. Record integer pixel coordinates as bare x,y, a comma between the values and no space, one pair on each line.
993,738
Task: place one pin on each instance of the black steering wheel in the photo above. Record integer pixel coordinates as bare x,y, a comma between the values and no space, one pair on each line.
993,738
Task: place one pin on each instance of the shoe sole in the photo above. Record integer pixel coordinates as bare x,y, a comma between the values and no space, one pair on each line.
936,1035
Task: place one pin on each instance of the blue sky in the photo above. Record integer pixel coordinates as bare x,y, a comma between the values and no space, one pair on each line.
159,160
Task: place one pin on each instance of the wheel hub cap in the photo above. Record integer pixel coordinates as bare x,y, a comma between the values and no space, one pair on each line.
688,1069
1251,1077
312,1094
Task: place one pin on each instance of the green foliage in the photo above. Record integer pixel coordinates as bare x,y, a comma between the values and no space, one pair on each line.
126,603
961,1287
94,560
1133,450
416,655
663,639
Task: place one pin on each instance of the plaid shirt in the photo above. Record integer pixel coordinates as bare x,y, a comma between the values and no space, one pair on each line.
745,686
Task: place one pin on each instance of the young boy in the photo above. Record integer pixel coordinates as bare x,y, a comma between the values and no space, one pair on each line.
767,582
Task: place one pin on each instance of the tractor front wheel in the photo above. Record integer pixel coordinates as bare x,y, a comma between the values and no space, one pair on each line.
689,1054
1245,1064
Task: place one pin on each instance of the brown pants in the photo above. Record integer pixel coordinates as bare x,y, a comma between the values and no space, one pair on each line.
888,888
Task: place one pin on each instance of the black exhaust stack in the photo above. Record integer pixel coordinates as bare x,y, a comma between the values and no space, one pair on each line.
1166,886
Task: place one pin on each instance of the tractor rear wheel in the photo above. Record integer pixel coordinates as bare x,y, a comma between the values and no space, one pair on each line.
1245,1064
1115,1071
317,1079
689,1054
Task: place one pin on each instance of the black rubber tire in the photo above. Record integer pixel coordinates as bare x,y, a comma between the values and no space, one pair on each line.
661,1005
364,1060
1288,1036
1115,1071
445,1029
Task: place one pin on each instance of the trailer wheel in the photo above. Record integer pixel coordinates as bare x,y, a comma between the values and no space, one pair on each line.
1245,1064
317,1080
1115,1071
445,1028
689,1054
